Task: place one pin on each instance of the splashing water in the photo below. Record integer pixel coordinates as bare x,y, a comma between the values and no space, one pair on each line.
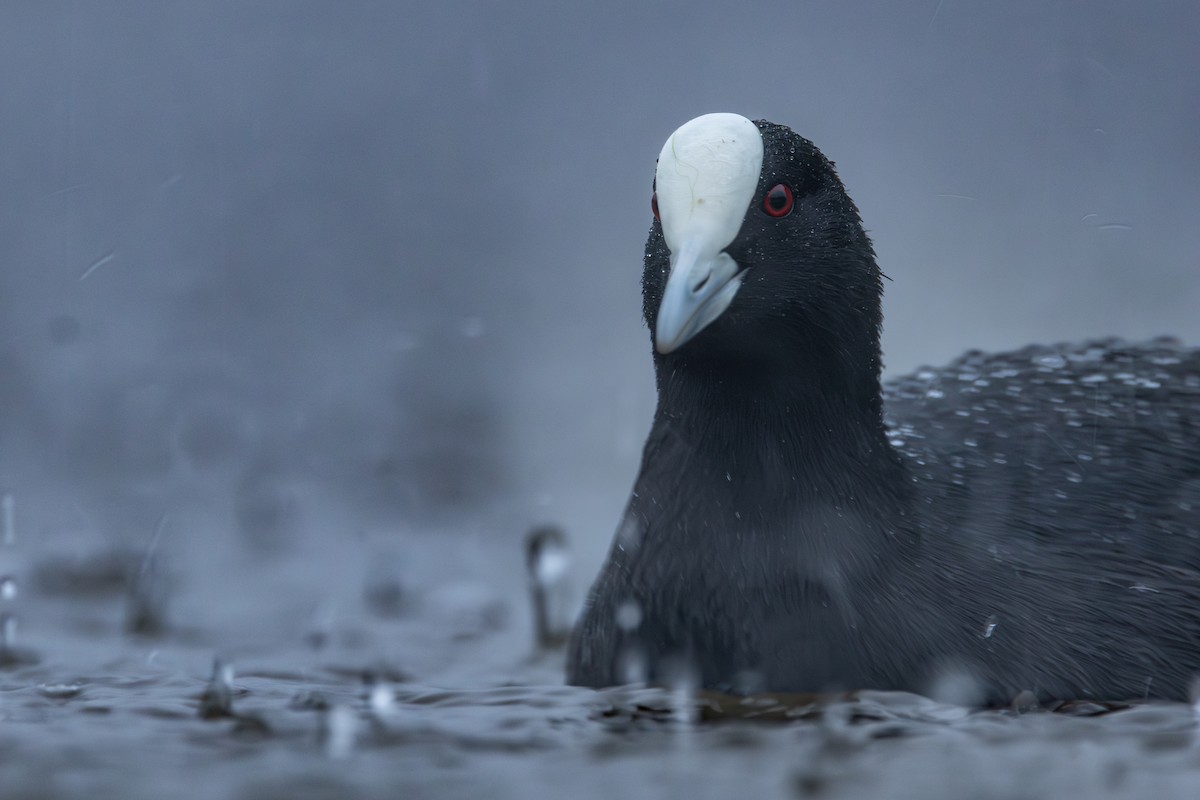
547,562
147,601
339,731
10,655
217,699
8,521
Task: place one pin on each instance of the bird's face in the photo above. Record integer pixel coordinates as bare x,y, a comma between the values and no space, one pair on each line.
754,237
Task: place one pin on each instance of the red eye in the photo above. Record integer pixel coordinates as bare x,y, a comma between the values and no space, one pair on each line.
778,202
654,204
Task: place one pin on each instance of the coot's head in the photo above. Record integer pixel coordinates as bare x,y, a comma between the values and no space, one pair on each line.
756,251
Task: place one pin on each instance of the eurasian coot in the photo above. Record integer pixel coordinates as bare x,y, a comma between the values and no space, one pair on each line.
1029,520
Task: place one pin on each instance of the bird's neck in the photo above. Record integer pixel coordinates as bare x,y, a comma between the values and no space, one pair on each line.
810,428
795,460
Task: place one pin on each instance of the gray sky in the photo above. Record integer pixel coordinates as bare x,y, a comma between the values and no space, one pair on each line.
395,248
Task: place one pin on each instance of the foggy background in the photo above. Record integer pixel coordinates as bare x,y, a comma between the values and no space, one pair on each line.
306,273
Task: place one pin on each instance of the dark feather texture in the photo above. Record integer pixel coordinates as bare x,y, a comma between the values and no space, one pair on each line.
1030,520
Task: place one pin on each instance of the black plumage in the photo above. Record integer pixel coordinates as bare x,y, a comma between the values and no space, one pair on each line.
1029,519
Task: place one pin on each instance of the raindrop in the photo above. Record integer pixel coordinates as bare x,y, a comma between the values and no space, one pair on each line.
629,616
957,687
473,327
97,264
629,535
989,626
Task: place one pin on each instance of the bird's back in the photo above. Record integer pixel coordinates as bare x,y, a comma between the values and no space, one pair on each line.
1096,446
1058,491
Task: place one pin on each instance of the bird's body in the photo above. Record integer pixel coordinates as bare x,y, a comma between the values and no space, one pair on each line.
1028,520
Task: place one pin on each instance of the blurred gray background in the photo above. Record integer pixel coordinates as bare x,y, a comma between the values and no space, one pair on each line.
331,270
